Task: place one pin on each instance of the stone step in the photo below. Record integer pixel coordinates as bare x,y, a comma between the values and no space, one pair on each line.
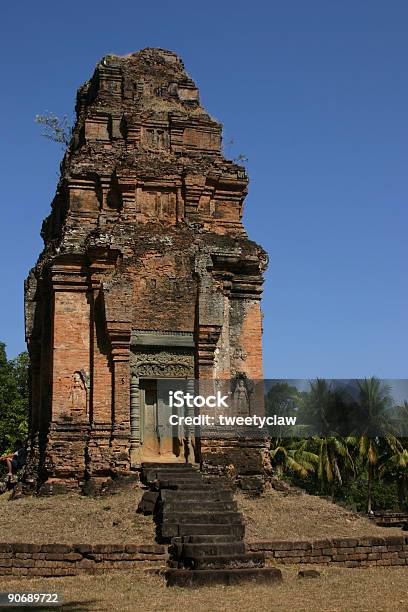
147,504
182,483
174,483
206,506
249,560
196,578
192,486
178,478
201,517
198,495
206,549
147,465
172,530
153,476
180,475
158,474
205,539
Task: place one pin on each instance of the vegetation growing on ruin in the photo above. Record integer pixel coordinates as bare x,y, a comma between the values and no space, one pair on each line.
57,129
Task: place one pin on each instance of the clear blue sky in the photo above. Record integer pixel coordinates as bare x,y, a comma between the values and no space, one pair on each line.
314,93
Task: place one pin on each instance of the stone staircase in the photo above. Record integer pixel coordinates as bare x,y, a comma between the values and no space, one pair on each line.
201,522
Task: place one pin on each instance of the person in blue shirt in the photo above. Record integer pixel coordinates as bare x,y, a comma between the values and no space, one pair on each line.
15,461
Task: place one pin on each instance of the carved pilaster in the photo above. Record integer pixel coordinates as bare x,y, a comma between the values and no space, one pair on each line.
127,187
208,336
135,430
119,334
190,440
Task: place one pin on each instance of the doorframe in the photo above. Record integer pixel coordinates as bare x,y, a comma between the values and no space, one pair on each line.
147,363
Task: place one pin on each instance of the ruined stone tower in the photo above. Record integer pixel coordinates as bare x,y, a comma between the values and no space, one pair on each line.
146,273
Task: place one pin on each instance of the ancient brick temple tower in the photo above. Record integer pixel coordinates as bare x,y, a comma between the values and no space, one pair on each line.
146,273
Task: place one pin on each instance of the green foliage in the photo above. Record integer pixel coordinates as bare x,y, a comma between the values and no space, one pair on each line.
394,468
295,458
374,403
281,399
384,495
13,400
366,470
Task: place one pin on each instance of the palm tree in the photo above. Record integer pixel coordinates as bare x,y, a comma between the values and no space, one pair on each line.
294,457
400,419
334,460
318,403
395,464
281,400
372,426
326,408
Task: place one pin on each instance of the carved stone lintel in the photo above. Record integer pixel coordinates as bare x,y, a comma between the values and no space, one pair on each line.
163,363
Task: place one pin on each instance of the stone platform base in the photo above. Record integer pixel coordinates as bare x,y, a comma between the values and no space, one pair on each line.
70,560
341,552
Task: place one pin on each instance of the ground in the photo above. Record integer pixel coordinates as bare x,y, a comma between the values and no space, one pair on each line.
276,515
73,518
296,515
336,590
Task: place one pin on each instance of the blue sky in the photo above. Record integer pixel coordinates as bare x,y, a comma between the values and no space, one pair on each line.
314,93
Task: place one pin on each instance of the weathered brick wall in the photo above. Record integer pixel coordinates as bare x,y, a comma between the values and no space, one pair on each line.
342,552
99,452
164,289
70,405
71,348
250,339
69,560
101,405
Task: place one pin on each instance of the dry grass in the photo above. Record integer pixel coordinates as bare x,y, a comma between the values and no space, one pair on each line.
74,518
282,516
336,590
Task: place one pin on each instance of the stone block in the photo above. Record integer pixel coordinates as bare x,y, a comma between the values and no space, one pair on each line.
308,573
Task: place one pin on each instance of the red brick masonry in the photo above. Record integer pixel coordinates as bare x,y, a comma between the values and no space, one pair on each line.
70,560
343,552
